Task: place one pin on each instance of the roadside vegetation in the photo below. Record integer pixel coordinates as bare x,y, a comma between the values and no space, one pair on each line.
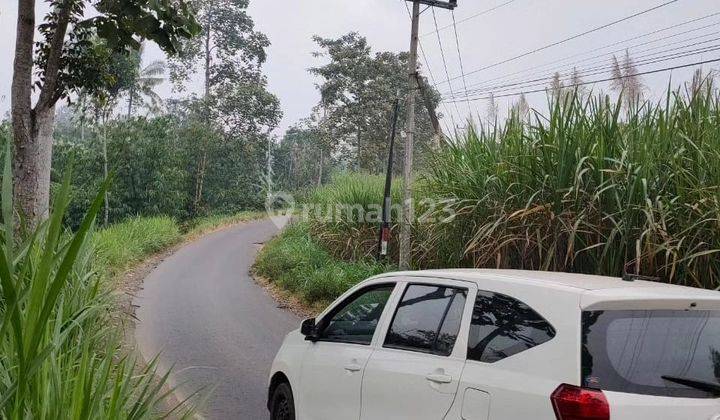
596,187
297,262
61,354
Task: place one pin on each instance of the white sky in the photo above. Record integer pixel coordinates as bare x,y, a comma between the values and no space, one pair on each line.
506,32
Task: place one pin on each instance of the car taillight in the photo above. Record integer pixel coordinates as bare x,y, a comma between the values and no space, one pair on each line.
575,403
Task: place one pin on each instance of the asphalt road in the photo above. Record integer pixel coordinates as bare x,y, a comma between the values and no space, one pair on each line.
204,314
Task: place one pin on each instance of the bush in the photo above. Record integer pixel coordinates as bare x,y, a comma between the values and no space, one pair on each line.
297,263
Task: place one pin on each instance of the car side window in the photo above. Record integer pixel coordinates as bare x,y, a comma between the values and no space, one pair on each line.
427,319
355,320
503,326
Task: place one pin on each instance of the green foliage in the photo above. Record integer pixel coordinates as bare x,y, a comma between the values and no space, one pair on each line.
61,357
357,90
295,261
94,45
296,163
148,159
124,244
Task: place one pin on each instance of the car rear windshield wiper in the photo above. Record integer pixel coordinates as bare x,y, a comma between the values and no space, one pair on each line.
713,388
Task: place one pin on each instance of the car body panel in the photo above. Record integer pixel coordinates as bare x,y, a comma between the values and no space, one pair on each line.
518,386
398,384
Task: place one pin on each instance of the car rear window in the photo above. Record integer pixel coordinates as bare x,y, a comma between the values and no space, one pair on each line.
649,352
502,327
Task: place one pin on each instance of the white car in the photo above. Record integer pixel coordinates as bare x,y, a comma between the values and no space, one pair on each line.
504,345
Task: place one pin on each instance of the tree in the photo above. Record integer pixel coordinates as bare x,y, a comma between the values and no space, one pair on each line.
147,79
228,51
73,55
357,90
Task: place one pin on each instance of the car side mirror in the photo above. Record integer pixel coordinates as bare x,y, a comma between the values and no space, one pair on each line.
309,330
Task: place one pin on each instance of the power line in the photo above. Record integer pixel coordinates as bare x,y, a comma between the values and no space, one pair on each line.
429,69
543,82
596,71
530,69
484,12
554,44
447,73
462,67
666,69
652,58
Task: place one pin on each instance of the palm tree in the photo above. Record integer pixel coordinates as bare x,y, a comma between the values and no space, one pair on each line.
143,90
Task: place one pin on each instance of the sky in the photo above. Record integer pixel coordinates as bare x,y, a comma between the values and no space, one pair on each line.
483,39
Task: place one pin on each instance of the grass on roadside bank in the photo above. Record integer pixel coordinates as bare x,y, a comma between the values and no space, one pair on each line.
295,262
122,245
125,244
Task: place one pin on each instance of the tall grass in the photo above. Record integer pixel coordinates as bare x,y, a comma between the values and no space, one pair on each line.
121,245
59,356
589,189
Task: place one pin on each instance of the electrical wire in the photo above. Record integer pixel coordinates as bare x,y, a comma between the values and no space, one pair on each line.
658,56
608,54
462,67
476,15
661,70
429,69
562,41
447,73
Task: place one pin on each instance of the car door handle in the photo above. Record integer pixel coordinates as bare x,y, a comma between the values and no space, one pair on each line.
353,367
439,378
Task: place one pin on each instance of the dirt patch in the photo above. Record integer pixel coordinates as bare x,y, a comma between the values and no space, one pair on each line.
288,301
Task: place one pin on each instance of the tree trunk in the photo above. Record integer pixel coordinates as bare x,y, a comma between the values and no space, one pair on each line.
105,167
320,171
33,128
31,166
23,121
202,167
130,103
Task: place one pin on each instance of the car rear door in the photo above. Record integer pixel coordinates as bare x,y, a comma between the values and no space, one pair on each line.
415,371
654,363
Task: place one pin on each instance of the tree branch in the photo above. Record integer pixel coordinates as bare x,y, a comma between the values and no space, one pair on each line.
48,94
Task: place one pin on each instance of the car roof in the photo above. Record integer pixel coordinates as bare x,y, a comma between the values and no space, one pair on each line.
581,283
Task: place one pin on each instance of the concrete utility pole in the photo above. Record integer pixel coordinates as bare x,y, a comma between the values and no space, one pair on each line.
408,210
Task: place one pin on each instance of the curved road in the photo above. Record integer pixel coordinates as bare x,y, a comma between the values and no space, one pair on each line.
210,321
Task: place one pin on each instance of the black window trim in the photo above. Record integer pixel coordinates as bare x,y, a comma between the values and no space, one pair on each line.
431,351
480,291
325,321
